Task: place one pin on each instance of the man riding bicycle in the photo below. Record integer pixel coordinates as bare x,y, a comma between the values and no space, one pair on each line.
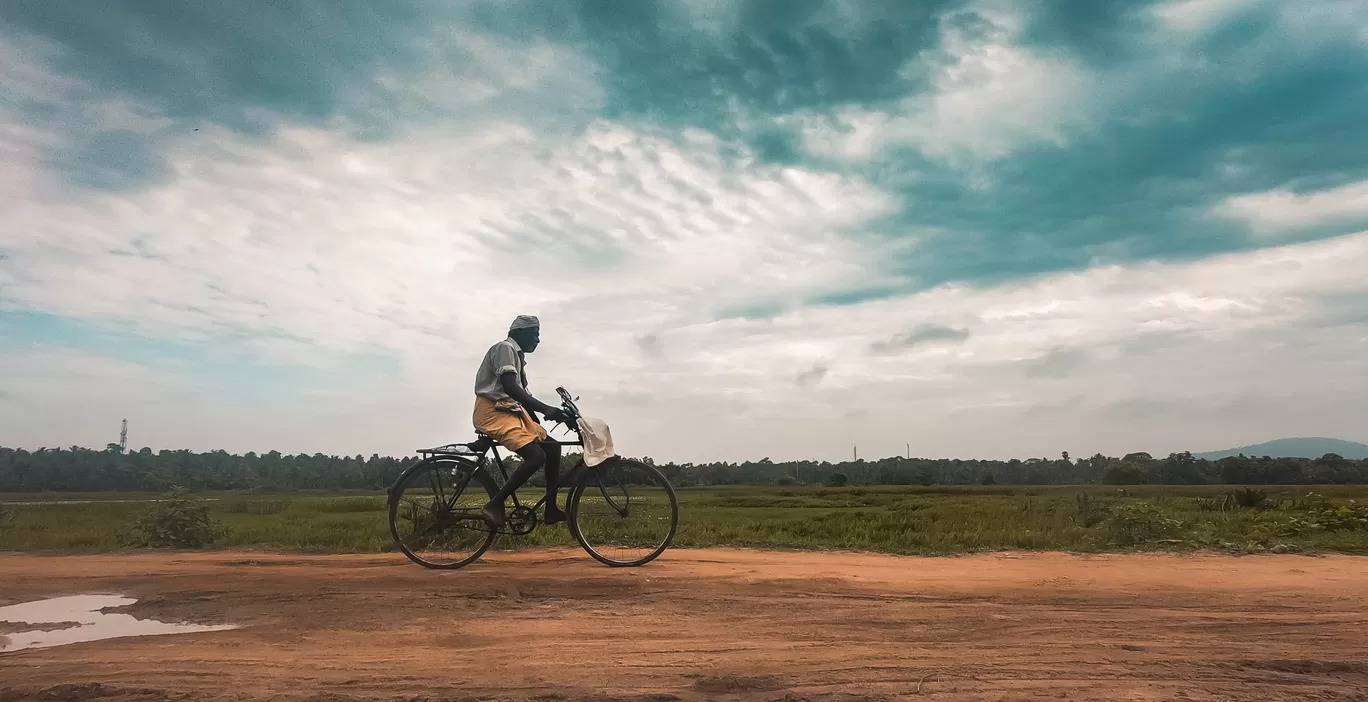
507,412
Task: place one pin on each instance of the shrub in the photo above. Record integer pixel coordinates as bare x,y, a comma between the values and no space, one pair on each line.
1138,523
1218,503
1309,501
987,479
1090,511
1347,517
181,520
838,480
1250,498
787,480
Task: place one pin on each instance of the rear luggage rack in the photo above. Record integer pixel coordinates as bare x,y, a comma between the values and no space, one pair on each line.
473,448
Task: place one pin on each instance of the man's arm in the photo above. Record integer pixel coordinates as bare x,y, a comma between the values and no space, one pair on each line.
516,391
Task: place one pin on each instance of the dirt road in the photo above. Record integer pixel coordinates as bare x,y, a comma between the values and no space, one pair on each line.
710,624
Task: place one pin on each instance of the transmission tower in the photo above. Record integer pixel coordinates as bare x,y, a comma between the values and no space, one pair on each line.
123,437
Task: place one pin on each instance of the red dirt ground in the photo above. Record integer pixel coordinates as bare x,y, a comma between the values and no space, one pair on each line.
710,624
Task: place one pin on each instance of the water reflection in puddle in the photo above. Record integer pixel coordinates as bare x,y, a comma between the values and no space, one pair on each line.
85,611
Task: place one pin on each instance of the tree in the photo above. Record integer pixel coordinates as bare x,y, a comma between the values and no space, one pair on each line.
1332,459
838,480
1180,469
1090,470
1236,470
1125,474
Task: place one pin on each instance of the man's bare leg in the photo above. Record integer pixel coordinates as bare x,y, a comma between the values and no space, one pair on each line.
553,456
533,458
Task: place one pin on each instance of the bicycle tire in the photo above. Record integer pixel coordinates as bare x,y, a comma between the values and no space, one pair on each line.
587,481
396,497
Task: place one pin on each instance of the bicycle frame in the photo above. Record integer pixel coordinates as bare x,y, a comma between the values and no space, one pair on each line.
502,477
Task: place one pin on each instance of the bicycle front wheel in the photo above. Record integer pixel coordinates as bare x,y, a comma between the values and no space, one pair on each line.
624,512
435,512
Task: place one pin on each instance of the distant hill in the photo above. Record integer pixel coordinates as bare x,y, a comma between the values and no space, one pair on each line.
1308,447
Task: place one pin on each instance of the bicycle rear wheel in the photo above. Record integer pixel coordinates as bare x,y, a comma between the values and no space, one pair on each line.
623,512
435,512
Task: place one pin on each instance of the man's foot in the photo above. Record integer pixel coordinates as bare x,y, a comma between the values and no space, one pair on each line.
494,514
553,516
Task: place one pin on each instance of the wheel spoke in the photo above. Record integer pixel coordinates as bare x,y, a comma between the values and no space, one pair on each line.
460,489
435,514
626,513
622,511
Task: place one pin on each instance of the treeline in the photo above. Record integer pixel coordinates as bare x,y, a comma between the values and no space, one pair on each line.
1131,469
88,470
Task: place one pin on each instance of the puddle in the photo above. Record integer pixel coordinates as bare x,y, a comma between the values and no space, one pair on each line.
94,625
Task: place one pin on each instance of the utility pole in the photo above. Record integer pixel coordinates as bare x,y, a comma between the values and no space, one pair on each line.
909,452
855,453
123,438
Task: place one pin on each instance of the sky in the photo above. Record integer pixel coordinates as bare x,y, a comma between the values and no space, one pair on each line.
781,228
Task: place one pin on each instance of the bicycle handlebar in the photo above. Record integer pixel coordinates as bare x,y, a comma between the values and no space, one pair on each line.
568,406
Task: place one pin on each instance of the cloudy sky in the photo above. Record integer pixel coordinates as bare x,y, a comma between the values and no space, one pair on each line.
779,228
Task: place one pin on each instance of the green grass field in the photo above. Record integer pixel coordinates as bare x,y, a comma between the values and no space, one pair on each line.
935,520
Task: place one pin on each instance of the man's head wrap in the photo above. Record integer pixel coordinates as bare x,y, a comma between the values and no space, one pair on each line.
524,321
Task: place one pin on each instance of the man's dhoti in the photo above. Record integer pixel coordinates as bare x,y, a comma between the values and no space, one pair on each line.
512,429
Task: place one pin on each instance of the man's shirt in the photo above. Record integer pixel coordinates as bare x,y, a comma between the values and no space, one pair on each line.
501,358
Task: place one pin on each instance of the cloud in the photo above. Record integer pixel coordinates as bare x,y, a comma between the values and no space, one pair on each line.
656,211
988,96
1141,408
1158,127
1057,363
125,82
709,207
311,248
812,376
926,333
756,58
651,345
1277,211
296,61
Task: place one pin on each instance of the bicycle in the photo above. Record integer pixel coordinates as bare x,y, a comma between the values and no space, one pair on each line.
438,523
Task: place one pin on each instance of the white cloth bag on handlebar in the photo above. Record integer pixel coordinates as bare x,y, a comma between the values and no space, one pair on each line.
598,442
